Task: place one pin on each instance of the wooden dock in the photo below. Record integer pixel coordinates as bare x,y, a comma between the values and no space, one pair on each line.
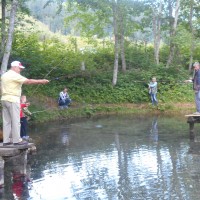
13,150
192,119
16,155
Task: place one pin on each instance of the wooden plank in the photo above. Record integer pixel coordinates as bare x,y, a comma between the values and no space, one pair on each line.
4,152
192,115
16,146
13,150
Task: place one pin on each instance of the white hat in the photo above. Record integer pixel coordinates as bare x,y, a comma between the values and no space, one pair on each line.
196,63
17,64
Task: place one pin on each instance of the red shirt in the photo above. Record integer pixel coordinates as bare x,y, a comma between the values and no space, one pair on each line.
22,105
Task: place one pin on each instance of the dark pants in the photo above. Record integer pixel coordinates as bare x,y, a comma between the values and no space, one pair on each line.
64,103
24,125
67,102
197,100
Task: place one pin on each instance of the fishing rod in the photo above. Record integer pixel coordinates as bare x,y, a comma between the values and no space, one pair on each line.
76,75
69,76
137,81
49,73
50,80
42,110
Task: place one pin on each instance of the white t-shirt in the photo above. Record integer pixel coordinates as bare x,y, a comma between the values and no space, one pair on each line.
11,86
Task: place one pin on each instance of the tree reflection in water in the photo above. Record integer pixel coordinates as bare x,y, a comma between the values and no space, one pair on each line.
154,130
115,158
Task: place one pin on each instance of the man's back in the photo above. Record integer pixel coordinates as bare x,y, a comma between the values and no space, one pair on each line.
11,83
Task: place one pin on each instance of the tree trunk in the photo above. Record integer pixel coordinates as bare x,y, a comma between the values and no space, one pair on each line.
156,32
122,49
123,54
10,36
192,34
115,26
172,45
155,38
171,19
192,47
3,27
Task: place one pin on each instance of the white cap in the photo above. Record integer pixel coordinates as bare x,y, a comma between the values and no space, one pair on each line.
17,64
196,63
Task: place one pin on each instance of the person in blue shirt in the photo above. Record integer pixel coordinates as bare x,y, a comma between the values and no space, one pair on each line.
196,86
153,91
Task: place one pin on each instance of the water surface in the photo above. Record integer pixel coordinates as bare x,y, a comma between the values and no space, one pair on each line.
118,157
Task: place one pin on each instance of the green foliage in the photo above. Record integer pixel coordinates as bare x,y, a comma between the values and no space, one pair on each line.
52,59
131,87
139,56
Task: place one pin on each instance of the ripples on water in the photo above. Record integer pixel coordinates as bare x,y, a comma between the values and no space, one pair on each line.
115,158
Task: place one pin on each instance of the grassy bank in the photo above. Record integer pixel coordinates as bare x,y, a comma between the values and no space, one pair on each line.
45,110
89,110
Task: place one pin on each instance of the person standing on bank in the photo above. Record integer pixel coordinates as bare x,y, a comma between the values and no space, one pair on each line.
196,86
153,91
11,84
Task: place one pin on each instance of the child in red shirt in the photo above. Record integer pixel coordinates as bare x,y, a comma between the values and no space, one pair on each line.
23,118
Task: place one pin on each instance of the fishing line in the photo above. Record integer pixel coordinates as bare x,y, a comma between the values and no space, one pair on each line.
44,78
42,110
48,74
160,81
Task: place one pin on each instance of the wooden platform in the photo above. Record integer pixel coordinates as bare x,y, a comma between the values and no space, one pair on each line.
13,150
192,115
191,120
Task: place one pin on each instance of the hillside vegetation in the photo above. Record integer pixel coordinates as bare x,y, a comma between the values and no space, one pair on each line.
61,59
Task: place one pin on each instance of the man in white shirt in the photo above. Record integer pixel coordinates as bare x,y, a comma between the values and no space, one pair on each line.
11,84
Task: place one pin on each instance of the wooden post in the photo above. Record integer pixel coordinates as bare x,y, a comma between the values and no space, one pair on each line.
191,120
192,134
1,172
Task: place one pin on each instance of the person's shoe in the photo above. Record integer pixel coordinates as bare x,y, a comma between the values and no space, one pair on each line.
27,138
8,143
196,113
21,143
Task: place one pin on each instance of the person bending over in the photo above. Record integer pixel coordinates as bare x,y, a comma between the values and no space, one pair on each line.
64,99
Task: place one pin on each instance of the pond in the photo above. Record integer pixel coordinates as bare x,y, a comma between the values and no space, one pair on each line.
109,158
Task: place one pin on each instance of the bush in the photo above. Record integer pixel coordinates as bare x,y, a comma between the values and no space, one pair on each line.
56,61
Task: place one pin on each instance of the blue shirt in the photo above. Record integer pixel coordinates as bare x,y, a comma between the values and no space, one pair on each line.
153,87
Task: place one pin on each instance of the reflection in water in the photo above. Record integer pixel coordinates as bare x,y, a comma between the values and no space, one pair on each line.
20,184
154,130
1,177
20,175
17,177
113,158
65,137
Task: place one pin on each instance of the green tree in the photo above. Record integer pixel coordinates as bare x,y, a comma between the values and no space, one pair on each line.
98,17
173,29
190,20
3,27
7,37
8,45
